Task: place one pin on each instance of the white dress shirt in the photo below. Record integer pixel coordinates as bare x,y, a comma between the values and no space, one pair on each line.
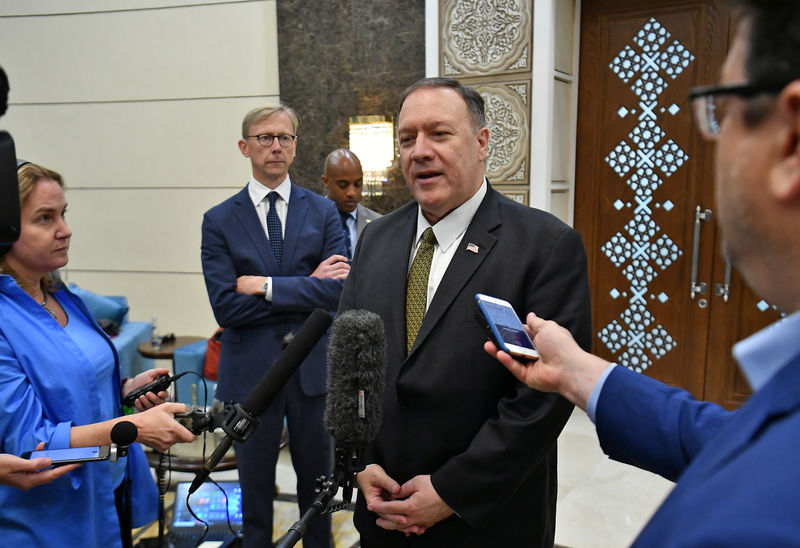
448,231
258,194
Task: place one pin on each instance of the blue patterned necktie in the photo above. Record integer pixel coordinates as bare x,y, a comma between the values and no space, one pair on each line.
274,229
347,244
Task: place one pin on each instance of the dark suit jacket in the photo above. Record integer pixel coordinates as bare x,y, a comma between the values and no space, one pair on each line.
737,472
234,244
449,409
365,216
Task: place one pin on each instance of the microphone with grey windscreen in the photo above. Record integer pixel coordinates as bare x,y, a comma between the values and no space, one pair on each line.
356,356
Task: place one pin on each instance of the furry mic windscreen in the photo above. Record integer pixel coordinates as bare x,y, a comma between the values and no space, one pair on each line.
124,433
356,363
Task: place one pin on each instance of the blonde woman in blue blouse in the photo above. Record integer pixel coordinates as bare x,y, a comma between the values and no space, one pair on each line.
60,384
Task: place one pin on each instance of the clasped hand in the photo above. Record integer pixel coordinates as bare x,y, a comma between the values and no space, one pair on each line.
411,508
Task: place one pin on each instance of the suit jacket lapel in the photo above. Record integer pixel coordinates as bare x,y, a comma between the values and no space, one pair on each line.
295,218
463,265
247,216
361,221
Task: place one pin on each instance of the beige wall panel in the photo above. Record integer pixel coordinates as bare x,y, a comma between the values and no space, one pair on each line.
143,144
478,40
564,35
199,51
179,300
560,206
508,119
517,193
562,130
154,230
45,7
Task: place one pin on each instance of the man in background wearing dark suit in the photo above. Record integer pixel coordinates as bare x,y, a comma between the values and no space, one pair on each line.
466,455
737,472
344,180
271,254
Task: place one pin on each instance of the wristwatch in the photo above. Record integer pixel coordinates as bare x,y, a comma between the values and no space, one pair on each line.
267,287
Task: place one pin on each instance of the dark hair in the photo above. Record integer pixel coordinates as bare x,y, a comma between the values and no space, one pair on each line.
3,91
472,98
773,55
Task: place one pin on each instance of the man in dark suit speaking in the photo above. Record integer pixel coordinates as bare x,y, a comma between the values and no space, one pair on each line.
271,254
466,455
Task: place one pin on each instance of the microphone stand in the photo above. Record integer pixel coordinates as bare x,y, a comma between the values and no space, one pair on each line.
348,461
296,531
122,435
162,491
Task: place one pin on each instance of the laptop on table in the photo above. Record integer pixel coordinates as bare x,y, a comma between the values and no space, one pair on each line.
208,503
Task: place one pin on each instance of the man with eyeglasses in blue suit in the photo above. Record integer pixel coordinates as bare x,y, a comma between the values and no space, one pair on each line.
737,472
271,254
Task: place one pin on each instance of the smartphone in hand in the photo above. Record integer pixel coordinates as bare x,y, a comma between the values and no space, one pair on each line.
72,454
505,328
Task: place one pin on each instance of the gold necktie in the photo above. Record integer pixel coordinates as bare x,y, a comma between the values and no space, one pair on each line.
417,290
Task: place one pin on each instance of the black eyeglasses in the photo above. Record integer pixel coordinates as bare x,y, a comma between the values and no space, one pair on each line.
708,112
266,140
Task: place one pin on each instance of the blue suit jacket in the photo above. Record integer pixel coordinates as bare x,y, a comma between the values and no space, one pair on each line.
738,477
234,244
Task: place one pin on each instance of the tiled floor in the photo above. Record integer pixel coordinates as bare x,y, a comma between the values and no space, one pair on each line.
601,503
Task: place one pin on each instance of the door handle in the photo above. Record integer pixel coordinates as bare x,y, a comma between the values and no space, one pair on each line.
695,288
724,289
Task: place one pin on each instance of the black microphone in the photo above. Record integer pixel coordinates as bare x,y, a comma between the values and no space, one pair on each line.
9,188
123,434
243,419
356,357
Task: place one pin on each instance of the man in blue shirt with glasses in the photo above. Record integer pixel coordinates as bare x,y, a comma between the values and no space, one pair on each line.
737,472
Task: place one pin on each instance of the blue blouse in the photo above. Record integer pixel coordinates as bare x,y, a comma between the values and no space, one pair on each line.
101,356
51,379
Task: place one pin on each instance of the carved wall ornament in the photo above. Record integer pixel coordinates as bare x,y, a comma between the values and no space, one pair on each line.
508,120
485,37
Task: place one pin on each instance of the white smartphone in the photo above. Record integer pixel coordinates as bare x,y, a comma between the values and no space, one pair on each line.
505,328
72,454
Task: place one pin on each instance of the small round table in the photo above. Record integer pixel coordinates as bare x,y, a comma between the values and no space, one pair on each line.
167,350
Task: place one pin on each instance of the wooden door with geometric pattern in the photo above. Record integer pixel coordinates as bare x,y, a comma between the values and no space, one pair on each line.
644,197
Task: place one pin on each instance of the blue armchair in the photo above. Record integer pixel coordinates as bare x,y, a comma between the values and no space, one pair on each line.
131,334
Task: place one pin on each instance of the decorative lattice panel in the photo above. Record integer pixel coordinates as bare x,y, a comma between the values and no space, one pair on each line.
644,161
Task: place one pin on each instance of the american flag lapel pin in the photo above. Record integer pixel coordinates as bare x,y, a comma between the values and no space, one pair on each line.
472,248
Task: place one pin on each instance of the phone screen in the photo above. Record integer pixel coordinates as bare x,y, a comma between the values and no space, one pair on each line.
506,326
73,454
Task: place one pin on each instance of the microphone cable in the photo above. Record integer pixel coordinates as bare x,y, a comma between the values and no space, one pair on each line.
206,526
164,473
